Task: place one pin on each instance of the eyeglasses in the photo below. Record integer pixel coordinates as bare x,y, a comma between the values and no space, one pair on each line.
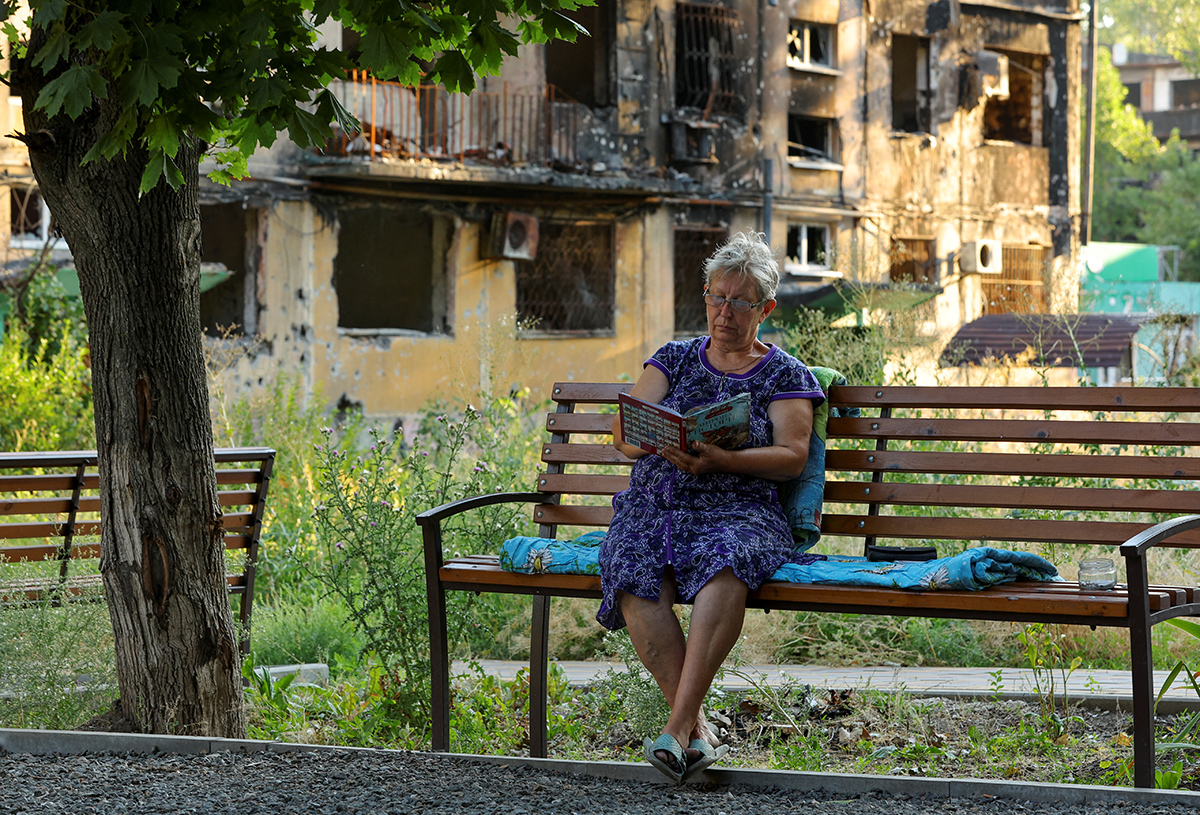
716,301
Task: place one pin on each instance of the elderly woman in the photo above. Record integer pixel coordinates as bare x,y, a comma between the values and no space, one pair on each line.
706,526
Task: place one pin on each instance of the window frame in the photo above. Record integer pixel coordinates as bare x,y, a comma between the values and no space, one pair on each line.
800,33
535,332
801,267
44,235
924,105
831,158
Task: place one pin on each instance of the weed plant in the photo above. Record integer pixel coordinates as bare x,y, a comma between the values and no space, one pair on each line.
57,668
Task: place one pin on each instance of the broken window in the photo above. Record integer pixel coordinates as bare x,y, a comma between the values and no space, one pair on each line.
807,247
1018,116
911,95
810,139
583,70
1185,93
570,286
390,269
913,261
229,256
705,68
693,246
31,226
809,44
1020,287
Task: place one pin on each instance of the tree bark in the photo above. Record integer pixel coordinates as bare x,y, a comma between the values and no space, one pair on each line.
162,548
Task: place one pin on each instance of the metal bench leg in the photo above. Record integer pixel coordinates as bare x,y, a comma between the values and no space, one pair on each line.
539,652
1141,664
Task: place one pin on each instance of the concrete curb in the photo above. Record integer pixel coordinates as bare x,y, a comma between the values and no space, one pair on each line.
71,742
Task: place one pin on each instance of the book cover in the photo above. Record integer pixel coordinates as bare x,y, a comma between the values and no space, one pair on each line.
652,427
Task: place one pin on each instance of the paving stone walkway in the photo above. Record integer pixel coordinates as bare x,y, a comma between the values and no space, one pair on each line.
1108,689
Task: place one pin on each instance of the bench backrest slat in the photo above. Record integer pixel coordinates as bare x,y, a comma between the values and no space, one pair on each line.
1121,399
1061,465
1009,497
1018,431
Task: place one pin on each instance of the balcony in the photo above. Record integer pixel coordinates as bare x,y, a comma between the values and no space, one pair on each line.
428,122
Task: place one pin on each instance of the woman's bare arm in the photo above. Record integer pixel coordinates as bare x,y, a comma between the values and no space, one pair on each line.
651,386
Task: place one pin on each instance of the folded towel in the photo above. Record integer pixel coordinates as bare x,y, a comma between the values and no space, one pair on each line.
974,569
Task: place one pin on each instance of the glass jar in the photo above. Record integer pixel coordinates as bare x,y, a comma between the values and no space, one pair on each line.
1097,574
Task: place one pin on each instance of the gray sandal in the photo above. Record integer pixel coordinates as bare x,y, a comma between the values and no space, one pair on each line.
708,756
666,744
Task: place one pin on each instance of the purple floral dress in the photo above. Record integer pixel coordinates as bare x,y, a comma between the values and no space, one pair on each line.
699,524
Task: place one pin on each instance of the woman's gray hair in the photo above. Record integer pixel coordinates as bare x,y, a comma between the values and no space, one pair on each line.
745,254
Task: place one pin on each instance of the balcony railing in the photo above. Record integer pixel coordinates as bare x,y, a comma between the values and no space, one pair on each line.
427,121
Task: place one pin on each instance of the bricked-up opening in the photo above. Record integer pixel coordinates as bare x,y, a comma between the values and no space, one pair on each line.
807,247
913,261
809,44
911,93
390,269
1185,93
1020,288
570,287
693,245
229,236
810,139
1019,117
705,67
583,70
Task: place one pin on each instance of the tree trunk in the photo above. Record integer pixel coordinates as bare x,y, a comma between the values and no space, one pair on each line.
162,543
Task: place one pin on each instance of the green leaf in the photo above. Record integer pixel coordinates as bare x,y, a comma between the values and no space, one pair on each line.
160,167
162,134
305,128
73,91
141,84
388,45
102,31
1186,625
57,47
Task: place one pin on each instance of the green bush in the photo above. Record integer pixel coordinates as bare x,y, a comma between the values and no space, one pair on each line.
303,627
45,392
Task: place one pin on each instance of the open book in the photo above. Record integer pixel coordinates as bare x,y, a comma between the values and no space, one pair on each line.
653,427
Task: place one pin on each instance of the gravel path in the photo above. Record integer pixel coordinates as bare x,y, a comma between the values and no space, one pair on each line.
368,782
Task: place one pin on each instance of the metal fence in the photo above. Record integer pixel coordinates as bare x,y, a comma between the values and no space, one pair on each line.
427,121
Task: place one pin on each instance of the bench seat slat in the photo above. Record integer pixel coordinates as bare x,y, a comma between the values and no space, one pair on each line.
1012,430
1014,464
1181,400
485,574
1011,497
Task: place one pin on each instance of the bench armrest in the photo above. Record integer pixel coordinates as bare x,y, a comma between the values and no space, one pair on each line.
431,519
1136,546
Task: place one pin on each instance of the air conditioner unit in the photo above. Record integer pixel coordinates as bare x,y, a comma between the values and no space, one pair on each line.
513,235
980,257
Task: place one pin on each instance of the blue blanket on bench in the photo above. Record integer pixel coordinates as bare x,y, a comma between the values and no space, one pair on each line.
974,569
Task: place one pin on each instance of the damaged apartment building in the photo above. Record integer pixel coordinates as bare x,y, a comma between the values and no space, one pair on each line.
552,224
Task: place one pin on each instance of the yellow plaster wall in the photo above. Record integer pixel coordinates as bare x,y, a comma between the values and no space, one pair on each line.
484,353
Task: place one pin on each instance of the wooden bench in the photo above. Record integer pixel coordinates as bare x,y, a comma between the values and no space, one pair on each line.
1011,467
50,505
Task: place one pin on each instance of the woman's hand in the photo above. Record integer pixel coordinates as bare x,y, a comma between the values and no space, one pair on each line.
708,458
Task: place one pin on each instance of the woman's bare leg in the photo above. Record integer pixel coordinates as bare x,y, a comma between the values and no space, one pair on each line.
684,668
